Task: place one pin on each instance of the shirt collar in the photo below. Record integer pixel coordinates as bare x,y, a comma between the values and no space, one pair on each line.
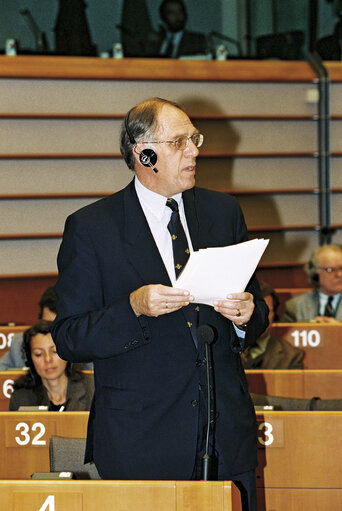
153,201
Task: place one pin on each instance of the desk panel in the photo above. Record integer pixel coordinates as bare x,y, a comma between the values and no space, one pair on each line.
296,383
320,342
24,439
119,495
7,378
299,450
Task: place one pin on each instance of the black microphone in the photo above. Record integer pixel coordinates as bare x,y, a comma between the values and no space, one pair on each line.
206,335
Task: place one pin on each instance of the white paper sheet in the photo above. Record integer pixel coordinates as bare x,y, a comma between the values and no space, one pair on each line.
212,273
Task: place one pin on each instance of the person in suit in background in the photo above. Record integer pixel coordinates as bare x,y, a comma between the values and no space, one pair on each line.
269,352
322,304
329,47
119,305
14,357
173,41
50,380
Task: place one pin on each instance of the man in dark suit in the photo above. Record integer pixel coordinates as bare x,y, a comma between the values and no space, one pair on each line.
118,305
270,352
329,47
173,40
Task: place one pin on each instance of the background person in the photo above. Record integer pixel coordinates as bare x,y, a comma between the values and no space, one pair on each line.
14,357
323,304
173,40
50,380
116,306
270,352
329,47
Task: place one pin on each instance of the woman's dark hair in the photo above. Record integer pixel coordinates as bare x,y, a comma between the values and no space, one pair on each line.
32,379
49,300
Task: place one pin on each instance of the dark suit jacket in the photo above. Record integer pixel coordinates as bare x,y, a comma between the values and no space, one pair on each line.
143,423
305,307
329,47
279,354
192,43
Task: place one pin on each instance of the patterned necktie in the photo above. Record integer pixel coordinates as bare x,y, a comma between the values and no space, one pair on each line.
181,254
180,247
329,310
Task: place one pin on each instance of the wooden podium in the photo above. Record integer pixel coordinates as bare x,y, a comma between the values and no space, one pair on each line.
35,495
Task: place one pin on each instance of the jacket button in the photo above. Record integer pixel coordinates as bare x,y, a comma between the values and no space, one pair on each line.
194,403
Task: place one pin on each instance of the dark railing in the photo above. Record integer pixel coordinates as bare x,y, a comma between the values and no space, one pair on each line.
326,230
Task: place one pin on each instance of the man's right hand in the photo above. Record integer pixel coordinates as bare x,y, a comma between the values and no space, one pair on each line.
156,299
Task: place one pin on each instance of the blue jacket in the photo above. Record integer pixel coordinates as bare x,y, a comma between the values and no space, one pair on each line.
144,418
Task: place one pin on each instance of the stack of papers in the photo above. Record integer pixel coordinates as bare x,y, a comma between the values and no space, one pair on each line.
212,273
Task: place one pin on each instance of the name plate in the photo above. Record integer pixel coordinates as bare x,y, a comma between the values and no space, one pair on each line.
47,501
29,433
270,433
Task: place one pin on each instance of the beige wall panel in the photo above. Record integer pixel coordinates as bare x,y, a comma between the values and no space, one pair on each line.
258,136
257,173
63,176
336,209
37,216
96,96
58,176
291,246
96,136
335,98
336,171
28,256
336,136
59,136
279,210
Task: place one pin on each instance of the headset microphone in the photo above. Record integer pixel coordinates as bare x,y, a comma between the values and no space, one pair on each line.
148,158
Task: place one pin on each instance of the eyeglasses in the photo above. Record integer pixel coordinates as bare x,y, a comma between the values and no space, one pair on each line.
331,270
181,142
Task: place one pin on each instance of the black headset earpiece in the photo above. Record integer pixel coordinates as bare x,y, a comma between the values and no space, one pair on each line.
148,158
312,271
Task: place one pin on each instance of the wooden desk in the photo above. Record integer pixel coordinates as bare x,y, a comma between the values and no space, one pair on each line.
119,495
321,342
7,379
6,335
297,383
299,460
24,439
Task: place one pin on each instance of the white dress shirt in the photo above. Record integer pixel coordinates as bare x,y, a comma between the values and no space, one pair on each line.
158,215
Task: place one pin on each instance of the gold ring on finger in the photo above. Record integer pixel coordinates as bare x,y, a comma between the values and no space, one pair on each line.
238,314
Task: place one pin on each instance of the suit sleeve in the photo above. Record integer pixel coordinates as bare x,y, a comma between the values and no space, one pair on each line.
289,314
86,328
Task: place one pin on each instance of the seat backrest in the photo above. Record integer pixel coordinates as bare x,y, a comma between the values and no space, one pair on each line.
67,454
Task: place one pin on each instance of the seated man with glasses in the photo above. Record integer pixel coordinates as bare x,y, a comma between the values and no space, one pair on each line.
322,304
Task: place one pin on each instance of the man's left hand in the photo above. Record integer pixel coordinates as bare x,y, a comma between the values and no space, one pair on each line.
238,307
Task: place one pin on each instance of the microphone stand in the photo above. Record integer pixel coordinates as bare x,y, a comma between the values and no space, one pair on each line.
206,460
205,335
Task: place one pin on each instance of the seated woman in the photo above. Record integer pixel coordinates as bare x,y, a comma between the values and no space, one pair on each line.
50,380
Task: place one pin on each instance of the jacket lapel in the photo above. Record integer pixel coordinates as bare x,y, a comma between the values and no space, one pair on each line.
141,248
